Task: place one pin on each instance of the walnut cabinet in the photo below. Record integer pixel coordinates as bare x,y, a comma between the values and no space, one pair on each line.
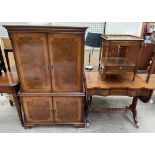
49,62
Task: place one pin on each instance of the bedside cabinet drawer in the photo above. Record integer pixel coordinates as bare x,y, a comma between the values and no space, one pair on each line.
118,69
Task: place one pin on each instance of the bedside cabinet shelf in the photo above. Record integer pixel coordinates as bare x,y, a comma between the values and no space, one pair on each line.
117,65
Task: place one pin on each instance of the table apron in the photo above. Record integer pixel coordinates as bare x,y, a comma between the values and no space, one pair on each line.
118,92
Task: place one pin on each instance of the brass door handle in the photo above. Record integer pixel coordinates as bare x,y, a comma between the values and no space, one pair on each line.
51,66
46,67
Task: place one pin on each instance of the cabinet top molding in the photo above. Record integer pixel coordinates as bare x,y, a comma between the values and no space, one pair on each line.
38,28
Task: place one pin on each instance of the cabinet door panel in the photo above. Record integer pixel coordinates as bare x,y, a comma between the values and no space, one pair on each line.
37,109
68,109
31,55
65,52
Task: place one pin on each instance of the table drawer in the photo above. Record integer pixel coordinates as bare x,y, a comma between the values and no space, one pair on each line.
102,92
140,92
118,92
132,93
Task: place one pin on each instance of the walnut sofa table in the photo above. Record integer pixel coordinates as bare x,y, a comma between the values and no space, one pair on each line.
9,84
118,86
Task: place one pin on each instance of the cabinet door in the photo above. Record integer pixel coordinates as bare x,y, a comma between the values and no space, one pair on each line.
37,109
31,56
68,109
66,59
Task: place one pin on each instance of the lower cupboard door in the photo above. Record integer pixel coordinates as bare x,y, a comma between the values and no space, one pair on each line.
37,110
68,109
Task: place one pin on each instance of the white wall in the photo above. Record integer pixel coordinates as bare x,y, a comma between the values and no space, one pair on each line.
133,28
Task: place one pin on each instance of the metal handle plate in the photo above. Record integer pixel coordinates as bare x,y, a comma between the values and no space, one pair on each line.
46,67
51,66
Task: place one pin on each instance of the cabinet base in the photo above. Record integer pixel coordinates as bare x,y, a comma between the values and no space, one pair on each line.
79,125
29,125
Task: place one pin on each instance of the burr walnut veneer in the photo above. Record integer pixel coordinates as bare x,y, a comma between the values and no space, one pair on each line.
49,62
